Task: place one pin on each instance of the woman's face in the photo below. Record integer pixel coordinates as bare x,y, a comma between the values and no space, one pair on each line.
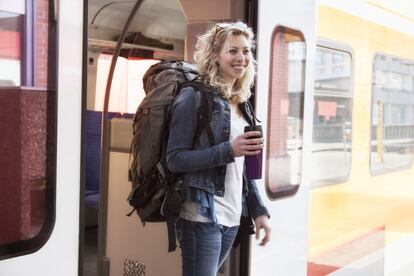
233,58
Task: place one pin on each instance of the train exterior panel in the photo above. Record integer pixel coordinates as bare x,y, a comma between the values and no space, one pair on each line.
54,176
284,104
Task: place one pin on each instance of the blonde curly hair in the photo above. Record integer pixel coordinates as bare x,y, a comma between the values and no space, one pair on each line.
208,48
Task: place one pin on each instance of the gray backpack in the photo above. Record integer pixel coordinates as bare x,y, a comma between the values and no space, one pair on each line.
156,193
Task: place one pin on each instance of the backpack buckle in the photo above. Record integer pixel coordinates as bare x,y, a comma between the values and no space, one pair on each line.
160,168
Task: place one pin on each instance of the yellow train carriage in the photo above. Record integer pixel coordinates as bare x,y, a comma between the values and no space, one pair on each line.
362,200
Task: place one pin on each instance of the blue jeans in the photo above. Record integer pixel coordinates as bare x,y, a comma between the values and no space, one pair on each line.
204,246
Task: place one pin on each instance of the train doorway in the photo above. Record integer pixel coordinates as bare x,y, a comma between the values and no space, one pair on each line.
115,243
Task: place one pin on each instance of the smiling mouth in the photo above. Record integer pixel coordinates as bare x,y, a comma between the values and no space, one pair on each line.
239,67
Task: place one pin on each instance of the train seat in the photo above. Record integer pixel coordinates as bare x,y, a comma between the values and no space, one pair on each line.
92,164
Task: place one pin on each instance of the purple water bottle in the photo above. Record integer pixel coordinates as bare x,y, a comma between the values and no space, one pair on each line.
254,162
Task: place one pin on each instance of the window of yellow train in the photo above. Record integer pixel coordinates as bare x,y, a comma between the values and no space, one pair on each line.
285,118
332,117
392,114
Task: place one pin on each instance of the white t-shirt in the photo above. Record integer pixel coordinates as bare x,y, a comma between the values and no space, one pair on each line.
229,207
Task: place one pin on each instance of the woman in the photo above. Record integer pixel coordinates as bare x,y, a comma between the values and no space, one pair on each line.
218,196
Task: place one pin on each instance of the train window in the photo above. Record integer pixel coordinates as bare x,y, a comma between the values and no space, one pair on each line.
27,127
332,118
285,119
392,114
127,88
11,29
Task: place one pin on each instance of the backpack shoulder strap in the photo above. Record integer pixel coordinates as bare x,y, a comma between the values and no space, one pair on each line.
206,105
204,116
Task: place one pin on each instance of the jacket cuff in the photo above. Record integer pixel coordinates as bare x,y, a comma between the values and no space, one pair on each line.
262,211
228,154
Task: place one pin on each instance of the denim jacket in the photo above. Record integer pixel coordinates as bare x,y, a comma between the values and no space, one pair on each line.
203,165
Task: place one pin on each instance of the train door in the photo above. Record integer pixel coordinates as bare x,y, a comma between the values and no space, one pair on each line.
284,102
40,125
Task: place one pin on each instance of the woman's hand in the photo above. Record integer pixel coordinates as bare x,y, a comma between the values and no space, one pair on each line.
261,222
245,145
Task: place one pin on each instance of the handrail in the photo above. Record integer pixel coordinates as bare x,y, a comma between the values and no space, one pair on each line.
107,5
103,262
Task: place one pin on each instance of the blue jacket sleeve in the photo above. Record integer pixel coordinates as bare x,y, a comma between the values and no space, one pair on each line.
181,157
254,202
